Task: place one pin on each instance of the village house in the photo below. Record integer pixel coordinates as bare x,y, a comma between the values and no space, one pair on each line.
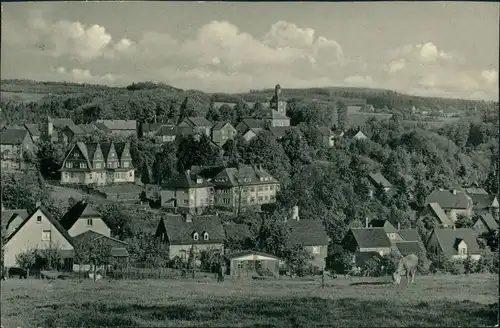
166,133
123,192
379,181
485,223
244,186
482,203
98,164
275,118
51,128
453,202
222,132
73,133
311,234
82,217
363,240
15,146
148,130
183,233
251,133
435,211
250,123
248,263
187,193
39,231
327,136
123,128
193,125
279,132
34,131
456,244
359,136
405,241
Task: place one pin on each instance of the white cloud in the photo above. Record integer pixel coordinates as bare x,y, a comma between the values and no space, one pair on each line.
359,81
81,75
429,53
490,76
397,65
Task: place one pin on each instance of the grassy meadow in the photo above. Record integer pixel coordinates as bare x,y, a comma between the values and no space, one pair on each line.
452,301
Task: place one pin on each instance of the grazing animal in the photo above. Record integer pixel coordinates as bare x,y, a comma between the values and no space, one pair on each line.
407,264
355,271
21,273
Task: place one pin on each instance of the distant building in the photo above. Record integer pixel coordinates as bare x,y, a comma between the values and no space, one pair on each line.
192,125
118,127
98,164
166,133
435,211
222,132
248,263
379,181
187,193
456,244
81,218
327,136
15,147
186,233
251,133
453,202
12,219
485,223
250,123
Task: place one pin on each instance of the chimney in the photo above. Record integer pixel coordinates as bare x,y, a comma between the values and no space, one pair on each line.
38,204
295,213
366,222
399,226
454,191
188,172
187,217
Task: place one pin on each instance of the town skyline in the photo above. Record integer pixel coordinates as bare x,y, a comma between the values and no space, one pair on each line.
426,49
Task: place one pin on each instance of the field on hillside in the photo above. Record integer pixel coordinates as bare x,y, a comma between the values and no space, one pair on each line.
449,301
21,96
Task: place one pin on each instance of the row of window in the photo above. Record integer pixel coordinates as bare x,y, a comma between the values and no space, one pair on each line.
111,165
197,237
117,175
252,199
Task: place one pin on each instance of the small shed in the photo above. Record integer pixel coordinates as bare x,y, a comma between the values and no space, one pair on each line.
251,263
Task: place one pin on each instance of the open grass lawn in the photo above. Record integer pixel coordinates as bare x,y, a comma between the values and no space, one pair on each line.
446,301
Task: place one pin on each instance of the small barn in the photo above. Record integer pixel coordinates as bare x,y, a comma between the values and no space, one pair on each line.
251,263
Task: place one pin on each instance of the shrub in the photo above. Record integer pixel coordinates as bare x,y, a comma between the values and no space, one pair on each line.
423,263
372,267
468,265
340,262
390,263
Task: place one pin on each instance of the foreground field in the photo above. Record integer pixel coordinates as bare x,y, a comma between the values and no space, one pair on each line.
450,301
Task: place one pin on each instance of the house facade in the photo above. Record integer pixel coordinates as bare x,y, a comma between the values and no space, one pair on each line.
14,147
187,193
244,186
186,233
248,263
222,132
457,244
453,202
39,231
98,164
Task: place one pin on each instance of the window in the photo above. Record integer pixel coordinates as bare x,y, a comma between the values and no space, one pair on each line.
97,165
75,155
71,175
117,175
252,189
130,174
392,236
226,200
83,165
125,164
463,251
266,198
109,165
260,198
46,235
90,176
69,165
266,188
205,236
39,219
252,199
89,222
186,201
272,197
195,236
259,189
316,250
271,187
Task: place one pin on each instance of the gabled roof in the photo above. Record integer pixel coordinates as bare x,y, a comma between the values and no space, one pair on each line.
187,180
448,238
447,200
82,209
52,220
360,135
409,247
475,190
61,122
482,201
308,232
150,127
119,124
180,232
244,175
439,214
7,215
324,131
167,130
410,235
88,128
102,127
238,231
198,121
280,131
12,136
33,129
386,225
379,179
489,221
371,237
77,130
220,125
250,252
253,123
118,247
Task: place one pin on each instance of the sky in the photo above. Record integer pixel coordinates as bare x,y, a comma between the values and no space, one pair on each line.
444,49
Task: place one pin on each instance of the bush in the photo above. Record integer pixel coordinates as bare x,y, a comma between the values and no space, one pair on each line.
390,263
441,263
340,262
372,267
423,263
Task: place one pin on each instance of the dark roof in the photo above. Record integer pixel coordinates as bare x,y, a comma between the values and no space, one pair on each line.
481,201
448,239
489,221
77,130
308,232
439,214
388,227
88,128
187,180
475,190
33,129
150,127
220,125
7,215
324,131
81,209
446,199
167,130
245,253
409,234
119,252
244,175
121,188
61,122
371,237
198,121
119,124
253,123
118,247
12,136
379,179
409,247
54,222
237,231
102,127
181,232
280,131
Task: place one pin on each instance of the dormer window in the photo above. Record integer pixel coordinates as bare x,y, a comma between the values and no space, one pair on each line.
89,222
205,236
83,165
195,236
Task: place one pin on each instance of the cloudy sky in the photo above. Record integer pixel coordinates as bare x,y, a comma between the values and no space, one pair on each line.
435,49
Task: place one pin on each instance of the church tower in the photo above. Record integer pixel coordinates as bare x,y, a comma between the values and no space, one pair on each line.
276,102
